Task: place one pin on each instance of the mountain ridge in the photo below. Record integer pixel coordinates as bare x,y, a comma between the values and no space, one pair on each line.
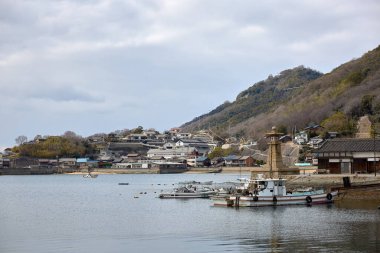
298,97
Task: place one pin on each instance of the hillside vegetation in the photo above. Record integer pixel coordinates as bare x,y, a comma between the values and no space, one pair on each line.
299,97
260,98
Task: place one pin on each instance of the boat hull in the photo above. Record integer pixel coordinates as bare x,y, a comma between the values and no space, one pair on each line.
257,201
186,195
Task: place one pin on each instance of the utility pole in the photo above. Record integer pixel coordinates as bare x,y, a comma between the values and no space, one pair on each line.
374,145
374,149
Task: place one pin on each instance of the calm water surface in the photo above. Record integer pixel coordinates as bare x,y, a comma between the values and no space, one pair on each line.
69,213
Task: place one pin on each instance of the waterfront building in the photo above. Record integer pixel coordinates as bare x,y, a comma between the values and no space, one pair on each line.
349,156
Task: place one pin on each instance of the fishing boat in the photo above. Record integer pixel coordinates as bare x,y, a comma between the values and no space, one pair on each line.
272,192
189,192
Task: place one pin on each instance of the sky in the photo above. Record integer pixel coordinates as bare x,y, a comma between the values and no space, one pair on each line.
95,66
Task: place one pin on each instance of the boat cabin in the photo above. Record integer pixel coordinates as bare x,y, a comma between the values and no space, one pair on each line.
269,187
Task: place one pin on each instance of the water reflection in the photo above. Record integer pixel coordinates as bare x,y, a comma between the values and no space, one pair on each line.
69,214
309,229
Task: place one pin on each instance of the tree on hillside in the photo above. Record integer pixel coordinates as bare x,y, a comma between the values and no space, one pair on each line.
138,130
219,152
21,139
366,105
52,147
338,122
282,129
71,135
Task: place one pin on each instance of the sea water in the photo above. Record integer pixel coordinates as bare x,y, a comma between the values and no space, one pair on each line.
69,213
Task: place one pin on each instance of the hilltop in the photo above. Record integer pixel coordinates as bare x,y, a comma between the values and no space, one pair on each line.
260,98
300,97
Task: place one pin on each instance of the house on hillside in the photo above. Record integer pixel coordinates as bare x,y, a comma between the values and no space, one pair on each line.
339,156
136,137
188,152
313,129
315,142
201,146
183,135
301,138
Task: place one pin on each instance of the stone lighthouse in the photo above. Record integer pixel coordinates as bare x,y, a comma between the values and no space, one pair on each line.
274,161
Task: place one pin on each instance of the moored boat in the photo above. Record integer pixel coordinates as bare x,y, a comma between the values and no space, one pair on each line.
89,175
272,192
189,192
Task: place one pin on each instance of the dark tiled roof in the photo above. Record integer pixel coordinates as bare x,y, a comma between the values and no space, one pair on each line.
193,141
202,158
349,145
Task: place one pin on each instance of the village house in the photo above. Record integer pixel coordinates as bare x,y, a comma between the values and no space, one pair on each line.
246,161
145,164
301,138
136,137
315,142
169,145
349,156
201,146
186,152
232,161
201,161
183,135
68,162
170,167
5,163
47,163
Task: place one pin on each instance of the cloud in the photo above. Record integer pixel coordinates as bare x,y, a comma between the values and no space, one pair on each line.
159,63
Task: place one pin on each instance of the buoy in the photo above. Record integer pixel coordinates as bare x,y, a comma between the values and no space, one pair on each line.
329,196
309,199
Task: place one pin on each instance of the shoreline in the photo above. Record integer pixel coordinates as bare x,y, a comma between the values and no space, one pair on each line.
225,170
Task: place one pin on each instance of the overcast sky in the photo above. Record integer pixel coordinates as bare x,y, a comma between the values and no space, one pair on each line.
93,66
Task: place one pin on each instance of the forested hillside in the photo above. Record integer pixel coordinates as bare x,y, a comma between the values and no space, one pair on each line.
299,97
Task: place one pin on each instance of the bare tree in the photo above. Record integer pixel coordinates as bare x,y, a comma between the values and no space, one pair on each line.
72,135
21,139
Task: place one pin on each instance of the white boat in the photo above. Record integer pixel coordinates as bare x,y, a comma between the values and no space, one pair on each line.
89,175
272,192
189,192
